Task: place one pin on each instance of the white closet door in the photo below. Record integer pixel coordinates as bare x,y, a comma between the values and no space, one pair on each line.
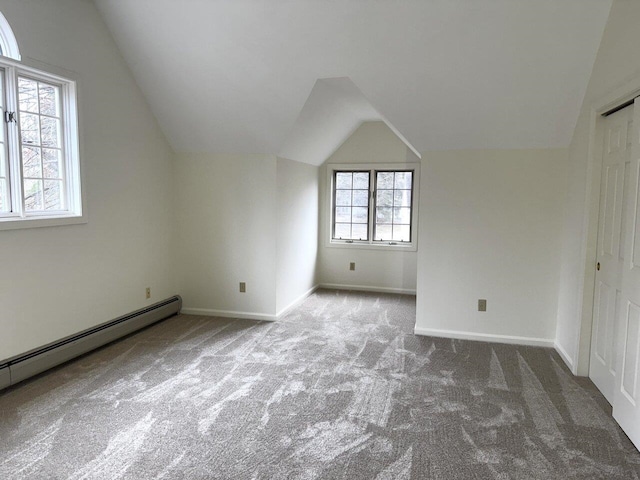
614,190
626,404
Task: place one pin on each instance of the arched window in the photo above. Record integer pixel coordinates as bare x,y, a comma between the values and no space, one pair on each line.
8,44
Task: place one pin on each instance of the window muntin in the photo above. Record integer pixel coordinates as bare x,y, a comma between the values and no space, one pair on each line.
388,201
351,205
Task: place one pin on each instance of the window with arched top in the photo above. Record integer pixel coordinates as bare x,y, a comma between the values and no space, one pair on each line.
39,143
8,43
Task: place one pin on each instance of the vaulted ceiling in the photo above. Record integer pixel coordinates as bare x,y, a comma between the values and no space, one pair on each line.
238,76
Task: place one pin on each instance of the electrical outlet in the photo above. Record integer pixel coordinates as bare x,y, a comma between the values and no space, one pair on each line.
243,287
482,305
352,266
148,292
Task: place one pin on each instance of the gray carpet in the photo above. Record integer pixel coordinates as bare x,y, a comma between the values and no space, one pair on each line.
339,389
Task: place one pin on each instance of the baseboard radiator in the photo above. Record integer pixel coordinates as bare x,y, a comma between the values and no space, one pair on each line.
21,367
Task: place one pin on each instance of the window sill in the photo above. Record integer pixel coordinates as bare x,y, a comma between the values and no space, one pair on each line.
373,246
13,223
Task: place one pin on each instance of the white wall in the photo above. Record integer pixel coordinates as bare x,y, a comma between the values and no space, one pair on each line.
226,233
244,218
297,231
490,223
616,63
57,281
372,142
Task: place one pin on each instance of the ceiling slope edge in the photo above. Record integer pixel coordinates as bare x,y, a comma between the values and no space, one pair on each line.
333,111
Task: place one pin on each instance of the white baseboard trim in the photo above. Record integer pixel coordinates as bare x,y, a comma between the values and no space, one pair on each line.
208,312
366,288
485,337
564,355
228,314
297,301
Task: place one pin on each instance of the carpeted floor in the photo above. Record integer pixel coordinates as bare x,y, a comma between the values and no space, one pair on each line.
339,389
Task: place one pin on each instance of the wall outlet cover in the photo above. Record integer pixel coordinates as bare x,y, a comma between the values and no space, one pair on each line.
482,305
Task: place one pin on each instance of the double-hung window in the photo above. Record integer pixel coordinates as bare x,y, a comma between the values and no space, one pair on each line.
39,154
374,205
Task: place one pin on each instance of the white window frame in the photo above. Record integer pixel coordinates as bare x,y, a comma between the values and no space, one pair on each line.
372,244
75,211
8,42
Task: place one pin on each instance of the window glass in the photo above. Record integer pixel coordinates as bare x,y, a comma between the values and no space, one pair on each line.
5,196
41,145
393,206
351,206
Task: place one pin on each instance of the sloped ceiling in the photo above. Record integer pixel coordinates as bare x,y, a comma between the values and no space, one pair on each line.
233,76
334,110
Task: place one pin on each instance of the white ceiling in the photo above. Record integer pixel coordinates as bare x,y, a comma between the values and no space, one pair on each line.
233,76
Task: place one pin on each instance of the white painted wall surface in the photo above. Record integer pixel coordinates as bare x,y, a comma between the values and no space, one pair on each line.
372,142
297,231
616,64
57,281
226,232
490,228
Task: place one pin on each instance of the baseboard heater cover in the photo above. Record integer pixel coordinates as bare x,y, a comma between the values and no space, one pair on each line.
21,367
5,378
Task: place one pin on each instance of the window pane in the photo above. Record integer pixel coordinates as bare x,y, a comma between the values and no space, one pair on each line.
343,180
385,180
403,180
46,140
4,197
29,129
402,215
343,198
343,214
33,195
51,163
393,206
359,232
351,193
28,95
31,165
361,198
361,180
360,215
48,100
384,198
53,195
402,198
4,182
343,230
50,129
383,232
384,215
402,233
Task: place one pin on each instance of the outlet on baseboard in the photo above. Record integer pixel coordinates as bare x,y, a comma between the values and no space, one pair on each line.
352,266
243,287
148,292
482,305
